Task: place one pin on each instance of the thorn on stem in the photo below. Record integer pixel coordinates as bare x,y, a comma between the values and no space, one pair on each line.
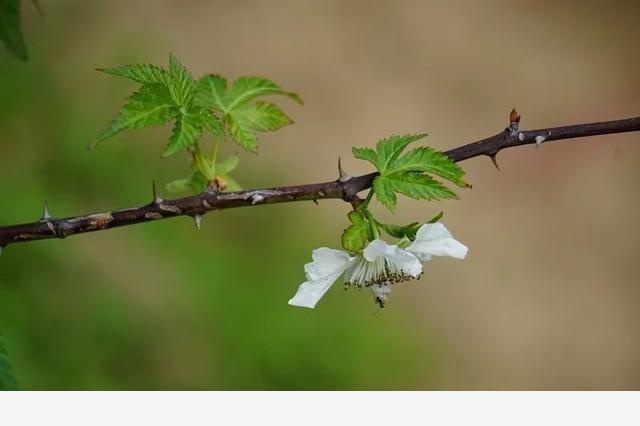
45,212
539,140
494,160
156,198
198,220
343,176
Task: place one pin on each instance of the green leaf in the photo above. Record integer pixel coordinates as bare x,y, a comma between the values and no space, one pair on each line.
180,82
355,237
404,174
264,116
245,89
389,149
243,113
411,184
142,73
7,381
11,28
366,154
212,91
186,132
242,132
196,182
425,159
207,120
148,107
397,231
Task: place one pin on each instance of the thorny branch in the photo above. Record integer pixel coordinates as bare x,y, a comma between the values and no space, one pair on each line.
345,187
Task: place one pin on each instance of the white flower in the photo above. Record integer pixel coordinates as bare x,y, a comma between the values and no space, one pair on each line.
378,266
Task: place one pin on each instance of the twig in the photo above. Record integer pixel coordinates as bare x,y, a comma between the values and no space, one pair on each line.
345,187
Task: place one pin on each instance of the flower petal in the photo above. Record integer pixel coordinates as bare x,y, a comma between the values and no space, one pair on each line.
433,239
327,265
310,292
326,262
404,260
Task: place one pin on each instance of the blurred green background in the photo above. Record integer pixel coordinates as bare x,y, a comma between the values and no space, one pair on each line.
547,298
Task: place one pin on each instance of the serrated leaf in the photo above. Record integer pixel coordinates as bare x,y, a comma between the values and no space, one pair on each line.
425,159
7,381
412,184
11,28
142,73
356,236
207,120
195,182
245,89
148,107
397,231
180,82
389,149
242,133
186,132
212,91
366,154
264,116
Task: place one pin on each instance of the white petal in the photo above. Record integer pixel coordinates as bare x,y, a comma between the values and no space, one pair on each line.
310,292
326,262
404,260
433,239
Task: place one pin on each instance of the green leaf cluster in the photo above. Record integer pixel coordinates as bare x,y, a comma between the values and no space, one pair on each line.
196,107
410,173
243,113
165,95
7,381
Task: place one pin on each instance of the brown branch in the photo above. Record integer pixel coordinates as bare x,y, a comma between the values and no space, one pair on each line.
345,187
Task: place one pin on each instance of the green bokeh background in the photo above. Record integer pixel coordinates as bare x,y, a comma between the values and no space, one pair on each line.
546,300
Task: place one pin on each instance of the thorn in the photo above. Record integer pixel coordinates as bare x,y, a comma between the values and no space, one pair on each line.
198,220
540,139
315,201
343,176
256,198
494,161
45,212
156,198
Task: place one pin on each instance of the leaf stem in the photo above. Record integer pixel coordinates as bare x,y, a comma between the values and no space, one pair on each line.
373,224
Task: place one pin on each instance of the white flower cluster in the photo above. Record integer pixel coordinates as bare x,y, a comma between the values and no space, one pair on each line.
378,266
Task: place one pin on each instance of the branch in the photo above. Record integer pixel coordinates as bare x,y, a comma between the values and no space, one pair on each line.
345,187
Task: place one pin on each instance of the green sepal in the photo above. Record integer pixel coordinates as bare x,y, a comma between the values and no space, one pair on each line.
228,165
356,236
196,182
397,231
436,218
